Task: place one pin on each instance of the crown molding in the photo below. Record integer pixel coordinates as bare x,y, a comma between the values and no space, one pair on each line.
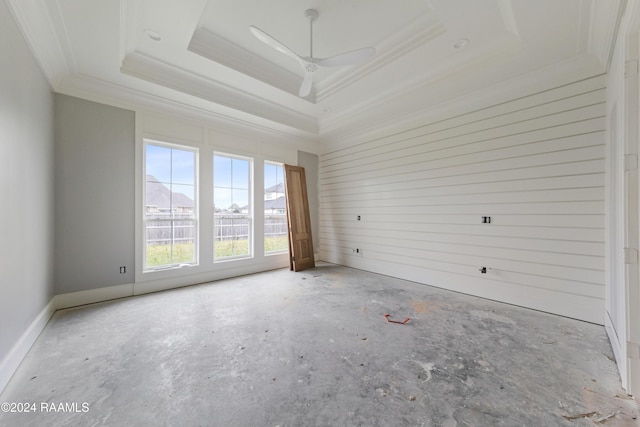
603,29
108,93
154,70
41,23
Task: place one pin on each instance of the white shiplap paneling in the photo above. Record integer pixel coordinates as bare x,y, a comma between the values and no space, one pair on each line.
535,164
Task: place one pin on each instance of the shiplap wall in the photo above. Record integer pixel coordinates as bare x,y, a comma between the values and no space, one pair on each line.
535,164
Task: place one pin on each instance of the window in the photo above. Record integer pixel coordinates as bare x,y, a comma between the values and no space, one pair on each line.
275,215
232,206
170,217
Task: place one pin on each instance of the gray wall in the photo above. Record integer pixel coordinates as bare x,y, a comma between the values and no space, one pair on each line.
26,186
310,164
95,219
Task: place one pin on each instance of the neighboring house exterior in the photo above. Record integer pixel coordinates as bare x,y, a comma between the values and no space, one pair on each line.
274,201
275,206
161,200
274,192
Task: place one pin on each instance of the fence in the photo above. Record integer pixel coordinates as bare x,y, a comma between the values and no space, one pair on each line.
162,229
236,226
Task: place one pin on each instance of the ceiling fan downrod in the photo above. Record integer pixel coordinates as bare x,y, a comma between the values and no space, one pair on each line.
311,15
311,64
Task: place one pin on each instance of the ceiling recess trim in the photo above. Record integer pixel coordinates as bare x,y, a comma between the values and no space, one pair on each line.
403,42
157,71
218,49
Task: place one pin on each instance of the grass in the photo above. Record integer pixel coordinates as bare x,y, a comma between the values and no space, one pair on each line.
225,248
277,243
160,255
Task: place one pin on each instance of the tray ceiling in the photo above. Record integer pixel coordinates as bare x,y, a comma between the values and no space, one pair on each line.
201,55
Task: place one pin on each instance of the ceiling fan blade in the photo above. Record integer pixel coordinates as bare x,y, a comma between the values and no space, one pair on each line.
305,88
270,41
348,58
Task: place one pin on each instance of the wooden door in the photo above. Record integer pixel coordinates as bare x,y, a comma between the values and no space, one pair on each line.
300,242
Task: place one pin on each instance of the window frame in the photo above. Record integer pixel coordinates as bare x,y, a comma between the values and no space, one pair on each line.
250,216
196,208
264,218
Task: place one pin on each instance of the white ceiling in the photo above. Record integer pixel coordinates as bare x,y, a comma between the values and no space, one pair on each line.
209,61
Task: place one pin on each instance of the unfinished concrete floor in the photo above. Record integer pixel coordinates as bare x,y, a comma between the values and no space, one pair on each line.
314,349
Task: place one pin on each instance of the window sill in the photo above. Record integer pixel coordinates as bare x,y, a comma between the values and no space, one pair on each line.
169,268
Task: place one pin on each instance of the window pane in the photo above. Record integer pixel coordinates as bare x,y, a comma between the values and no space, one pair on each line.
241,200
158,167
183,200
232,207
275,219
270,175
157,199
241,236
170,207
183,167
240,170
222,171
222,200
158,243
183,250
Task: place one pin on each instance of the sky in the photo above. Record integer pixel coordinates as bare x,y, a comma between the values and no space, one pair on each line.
272,175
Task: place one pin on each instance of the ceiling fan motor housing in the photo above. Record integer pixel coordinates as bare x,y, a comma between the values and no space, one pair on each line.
311,64
311,14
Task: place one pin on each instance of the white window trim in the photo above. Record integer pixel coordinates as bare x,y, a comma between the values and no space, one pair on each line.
196,208
250,214
282,251
207,139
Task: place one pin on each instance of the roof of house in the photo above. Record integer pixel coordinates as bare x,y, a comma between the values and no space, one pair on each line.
278,188
159,195
278,203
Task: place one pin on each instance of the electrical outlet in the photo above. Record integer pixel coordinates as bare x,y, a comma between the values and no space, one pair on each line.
486,220
123,270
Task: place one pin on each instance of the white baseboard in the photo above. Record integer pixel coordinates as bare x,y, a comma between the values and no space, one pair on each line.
74,299
19,351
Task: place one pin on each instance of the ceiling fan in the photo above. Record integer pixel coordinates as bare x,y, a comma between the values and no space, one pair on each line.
309,63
